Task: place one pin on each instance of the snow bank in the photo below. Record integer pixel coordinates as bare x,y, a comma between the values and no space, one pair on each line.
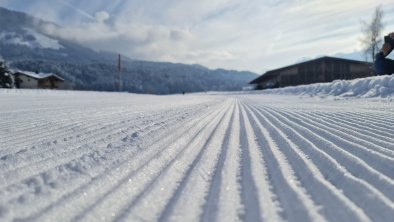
372,87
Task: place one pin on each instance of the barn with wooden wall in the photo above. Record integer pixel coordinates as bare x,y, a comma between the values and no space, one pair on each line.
325,69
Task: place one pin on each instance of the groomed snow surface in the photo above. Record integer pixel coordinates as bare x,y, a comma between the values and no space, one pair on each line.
90,156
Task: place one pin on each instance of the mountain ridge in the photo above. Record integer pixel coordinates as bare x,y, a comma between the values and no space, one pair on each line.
25,43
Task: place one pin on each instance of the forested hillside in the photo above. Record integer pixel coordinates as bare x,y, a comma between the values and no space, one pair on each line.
25,44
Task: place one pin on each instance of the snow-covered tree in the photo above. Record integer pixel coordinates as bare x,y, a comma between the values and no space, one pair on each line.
5,76
372,31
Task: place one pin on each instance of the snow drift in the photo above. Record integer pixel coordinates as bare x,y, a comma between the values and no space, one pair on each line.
377,86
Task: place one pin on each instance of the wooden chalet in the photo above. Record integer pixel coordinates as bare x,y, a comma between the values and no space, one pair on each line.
31,80
325,69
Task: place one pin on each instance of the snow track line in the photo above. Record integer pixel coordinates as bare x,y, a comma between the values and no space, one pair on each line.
340,158
229,198
353,187
198,179
355,123
85,125
347,158
380,162
111,130
261,207
369,120
44,133
297,204
249,199
75,195
62,114
40,128
373,123
330,200
120,157
87,117
115,196
353,164
66,156
353,135
355,126
380,117
270,208
190,173
211,205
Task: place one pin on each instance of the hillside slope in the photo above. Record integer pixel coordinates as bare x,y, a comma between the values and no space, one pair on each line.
25,42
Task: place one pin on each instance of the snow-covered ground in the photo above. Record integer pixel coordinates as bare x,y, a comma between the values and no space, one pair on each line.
90,156
372,87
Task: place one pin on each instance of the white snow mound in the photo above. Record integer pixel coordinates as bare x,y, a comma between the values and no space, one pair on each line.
372,87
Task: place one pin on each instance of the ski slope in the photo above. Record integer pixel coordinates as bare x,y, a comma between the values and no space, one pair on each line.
90,156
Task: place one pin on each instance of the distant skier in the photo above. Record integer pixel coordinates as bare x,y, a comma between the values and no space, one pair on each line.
382,64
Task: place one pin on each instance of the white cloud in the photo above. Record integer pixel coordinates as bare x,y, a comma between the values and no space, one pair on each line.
204,56
238,34
150,42
102,16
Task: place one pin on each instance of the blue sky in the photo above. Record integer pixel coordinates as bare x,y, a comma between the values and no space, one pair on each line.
255,35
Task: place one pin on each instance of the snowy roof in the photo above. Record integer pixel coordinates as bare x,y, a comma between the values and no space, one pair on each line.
36,75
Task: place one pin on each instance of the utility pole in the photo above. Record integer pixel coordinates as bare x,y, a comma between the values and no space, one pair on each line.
119,74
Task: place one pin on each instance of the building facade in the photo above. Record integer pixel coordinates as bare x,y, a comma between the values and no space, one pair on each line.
30,80
325,69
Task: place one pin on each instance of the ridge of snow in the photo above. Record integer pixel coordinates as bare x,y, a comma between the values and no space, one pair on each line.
371,87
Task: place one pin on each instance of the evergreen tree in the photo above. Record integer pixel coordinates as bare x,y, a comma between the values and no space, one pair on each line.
5,76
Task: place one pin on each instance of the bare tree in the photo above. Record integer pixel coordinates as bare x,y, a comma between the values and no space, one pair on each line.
372,34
